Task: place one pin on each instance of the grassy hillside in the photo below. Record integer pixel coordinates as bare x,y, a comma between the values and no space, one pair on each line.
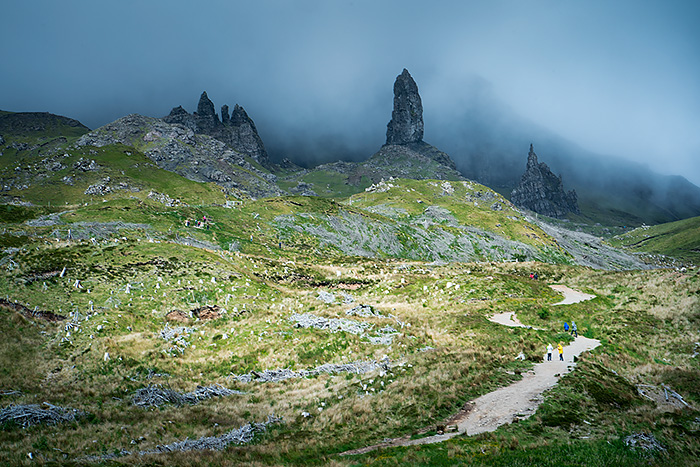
347,321
426,335
63,178
38,126
679,240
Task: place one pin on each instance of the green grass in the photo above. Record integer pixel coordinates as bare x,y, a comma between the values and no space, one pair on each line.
121,164
127,266
680,240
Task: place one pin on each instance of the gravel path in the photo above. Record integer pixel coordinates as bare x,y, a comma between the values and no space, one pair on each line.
570,295
516,401
509,319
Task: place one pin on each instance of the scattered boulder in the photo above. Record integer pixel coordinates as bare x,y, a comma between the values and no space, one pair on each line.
644,441
207,312
164,198
177,316
303,189
100,188
85,165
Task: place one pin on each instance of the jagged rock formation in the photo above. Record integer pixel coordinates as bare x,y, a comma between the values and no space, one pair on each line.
181,150
237,131
406,124
543,192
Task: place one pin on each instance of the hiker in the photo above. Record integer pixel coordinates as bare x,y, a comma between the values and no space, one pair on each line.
532,276
187,222
561,353
549,352
566,327
574,330
536,276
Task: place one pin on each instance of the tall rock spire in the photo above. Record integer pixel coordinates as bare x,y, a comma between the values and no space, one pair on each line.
225,119
406,125
531,159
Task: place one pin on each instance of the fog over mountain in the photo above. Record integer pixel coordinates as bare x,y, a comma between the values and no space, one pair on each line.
610,78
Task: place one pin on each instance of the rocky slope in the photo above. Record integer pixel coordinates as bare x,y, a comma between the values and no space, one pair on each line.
177,148
427,220
542,191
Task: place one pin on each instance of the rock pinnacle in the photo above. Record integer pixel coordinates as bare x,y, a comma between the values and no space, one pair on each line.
406,125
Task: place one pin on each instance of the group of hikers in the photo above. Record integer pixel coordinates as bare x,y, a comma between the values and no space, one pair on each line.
203,224
550,348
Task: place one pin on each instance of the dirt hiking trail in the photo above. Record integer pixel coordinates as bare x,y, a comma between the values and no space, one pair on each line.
514,402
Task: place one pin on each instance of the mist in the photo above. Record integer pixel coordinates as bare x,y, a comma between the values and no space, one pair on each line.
616,79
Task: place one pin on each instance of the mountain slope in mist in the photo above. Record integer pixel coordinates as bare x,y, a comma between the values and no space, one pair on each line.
489,142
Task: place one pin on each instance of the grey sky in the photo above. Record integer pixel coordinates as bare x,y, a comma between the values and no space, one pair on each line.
616,77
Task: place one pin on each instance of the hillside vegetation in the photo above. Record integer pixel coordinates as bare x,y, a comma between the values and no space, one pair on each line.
155,320
678,240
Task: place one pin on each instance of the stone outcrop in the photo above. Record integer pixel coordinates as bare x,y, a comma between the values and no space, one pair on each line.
182,117
225,118
406,125
244,137
237,131
206,118
543,192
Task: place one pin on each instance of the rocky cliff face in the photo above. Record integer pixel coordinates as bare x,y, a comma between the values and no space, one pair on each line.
406,125
543,192
237,131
